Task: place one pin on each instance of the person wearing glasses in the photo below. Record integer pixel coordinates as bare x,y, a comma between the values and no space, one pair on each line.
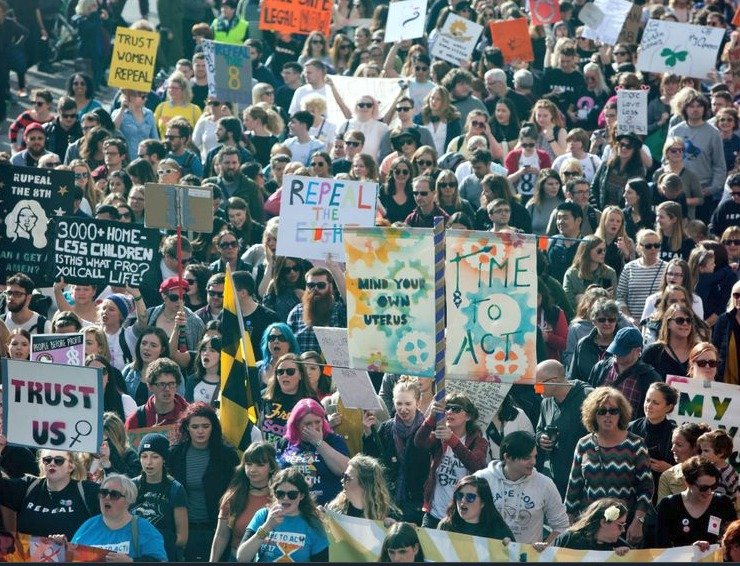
165,405
178,104
578,143
18,291
588,268
59,488
215,294
592,348
524,163
610,461
227,243
472,511
365,493
611,176
726,336
177,138
277,340
426,209
290,528
134,120
698,515
65,128
600,527
40,113
284,285
396,195
641,277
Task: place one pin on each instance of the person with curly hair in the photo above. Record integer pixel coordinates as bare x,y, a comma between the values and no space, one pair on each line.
600,527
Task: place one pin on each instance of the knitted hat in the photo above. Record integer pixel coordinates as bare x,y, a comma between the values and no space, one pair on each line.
33,126
123,304
154,442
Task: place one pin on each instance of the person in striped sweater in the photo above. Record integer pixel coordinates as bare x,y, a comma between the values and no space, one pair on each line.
610,462
642,277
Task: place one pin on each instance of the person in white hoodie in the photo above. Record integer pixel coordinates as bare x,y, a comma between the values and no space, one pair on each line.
526,499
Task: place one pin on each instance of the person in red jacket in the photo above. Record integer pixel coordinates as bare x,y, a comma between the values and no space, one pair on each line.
457,447
164,406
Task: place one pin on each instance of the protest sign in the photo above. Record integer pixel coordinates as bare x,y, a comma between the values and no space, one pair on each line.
544,12
67,349
314,212
135,435
512,38
30,197
591,15
52,406
385,91
170,206
487,397
718,405
406,20
632,111
684,49
229,72
134,56
456,39
102,252
491,289
614,15
297,16
354,386
632,25
22,547
355,540
390,299
736,17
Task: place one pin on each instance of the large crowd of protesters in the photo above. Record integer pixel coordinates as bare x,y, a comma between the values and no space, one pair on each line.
638,282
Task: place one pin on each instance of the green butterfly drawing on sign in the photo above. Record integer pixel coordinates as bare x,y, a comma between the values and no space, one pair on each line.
672,57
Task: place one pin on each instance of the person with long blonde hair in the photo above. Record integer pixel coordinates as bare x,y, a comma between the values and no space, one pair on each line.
178,104
551,128
619,246
440,117
365,492
670,227
669,355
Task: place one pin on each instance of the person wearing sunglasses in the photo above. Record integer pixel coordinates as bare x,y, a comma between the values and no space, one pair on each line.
310,445
215,295
396,194
59,488
698,515
364,117
293,516
624,163
277,340
703,361
726,336
641,277
426,209
524,163
284,285
472,511
113,528
400,142
678,334
65,128
601,526
40,113
227,244
448,195
588,268
592,348
609,446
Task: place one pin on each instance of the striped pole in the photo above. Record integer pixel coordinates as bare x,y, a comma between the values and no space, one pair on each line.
439,309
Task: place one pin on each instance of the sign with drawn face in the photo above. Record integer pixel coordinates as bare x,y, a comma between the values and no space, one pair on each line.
29,198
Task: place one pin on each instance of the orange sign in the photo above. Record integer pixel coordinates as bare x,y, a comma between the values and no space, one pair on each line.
296,16
544,12
512,38
736,18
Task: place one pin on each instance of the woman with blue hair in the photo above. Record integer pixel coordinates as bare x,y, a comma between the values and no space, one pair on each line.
277,340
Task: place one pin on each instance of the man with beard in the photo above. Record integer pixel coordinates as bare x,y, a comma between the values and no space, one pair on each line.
215,291
176,140
18,291
233,183
228,134
256,317
35,139
318,308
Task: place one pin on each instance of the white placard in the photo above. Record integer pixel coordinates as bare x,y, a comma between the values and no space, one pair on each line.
406,20
684,49
354,386
591,15
632,111
456,40
486,396
314,212
52,406
615,12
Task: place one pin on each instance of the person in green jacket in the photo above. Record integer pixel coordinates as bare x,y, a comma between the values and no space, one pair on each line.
230,28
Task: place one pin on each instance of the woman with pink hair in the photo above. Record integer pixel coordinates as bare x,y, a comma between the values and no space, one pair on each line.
311,446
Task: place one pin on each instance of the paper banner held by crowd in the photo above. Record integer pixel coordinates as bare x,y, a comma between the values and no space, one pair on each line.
52,406
491,290
133,61
512,38
311,203
390,299
66,349
406,19
354,385
229,72
30,198
684,49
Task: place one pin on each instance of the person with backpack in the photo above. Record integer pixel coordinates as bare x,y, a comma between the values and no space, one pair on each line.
57,492
161,499
18,292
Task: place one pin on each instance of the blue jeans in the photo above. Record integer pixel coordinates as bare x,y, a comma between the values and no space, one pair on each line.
17,62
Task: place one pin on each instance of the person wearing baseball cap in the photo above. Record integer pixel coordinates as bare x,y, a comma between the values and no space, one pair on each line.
35,138
625,370
161,498
172,313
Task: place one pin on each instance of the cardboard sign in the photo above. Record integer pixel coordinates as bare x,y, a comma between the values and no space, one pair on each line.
406,20
135,435
133,60
315,211
491,289
29,198
295,16
102,252
487,397
718,405
66,349
736,17
512,38
171,205
229,71
390,299
544,12
354,386
52,406
632,25
684,49
615,13
632,111
456,39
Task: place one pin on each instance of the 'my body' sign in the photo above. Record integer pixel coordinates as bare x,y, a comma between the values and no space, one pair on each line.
717,405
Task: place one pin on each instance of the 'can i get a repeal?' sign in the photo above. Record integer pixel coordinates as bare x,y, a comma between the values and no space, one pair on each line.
52,406
134,56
